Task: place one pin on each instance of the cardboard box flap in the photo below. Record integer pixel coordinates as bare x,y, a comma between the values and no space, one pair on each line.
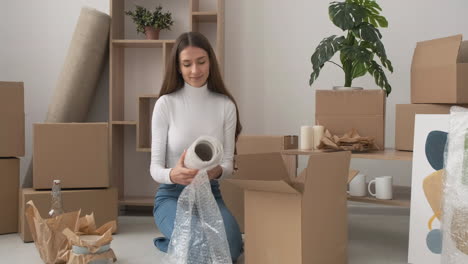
261,167
436,52
262,172
266,186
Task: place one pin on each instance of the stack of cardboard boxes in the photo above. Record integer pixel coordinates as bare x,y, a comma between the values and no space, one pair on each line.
77,155
439,80
11,147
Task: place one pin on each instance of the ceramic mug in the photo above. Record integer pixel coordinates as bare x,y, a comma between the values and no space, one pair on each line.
357,186
383,187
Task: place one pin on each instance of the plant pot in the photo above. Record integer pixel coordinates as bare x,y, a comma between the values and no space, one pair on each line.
344,88
152,33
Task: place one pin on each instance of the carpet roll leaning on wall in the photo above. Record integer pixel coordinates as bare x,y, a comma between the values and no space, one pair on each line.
80,73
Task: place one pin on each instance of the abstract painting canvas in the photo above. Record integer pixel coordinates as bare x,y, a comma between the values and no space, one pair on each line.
425,238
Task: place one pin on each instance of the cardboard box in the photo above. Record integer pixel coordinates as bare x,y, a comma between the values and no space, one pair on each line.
233,195
439,71
11,119
103,202
404,123
295,220
75,153
364,110
9,188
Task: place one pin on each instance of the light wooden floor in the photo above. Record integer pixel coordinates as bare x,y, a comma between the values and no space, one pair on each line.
376,235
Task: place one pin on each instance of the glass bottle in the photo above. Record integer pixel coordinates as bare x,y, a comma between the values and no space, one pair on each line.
57,208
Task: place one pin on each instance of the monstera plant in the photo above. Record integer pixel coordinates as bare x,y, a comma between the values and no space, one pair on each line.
360,47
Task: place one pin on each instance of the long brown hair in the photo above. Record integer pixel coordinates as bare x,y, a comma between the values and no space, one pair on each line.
174,81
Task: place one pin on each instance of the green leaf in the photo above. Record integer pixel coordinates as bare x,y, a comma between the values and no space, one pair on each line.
359,69
323,53
379,49
367,32
357,54
346,15
379,76
372,12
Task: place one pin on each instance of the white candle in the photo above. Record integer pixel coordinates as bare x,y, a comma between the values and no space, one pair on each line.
318,134
307,137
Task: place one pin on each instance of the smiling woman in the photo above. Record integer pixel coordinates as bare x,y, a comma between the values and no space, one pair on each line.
193,102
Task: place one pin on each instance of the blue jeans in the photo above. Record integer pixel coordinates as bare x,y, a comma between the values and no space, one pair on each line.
164,211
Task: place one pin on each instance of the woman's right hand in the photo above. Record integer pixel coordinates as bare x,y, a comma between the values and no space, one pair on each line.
180,174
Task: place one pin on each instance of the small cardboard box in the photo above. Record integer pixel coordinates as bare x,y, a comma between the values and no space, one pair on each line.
11,119
233,195
103,202
404,124
75,153
295,220
9,188
439,71
364,110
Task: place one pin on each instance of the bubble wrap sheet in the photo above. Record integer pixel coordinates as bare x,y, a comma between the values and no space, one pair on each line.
455,196
199,235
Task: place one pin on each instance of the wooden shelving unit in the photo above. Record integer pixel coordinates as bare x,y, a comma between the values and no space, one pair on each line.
119,46
402,194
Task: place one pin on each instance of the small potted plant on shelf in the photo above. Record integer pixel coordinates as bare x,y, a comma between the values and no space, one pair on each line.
151,23
359,47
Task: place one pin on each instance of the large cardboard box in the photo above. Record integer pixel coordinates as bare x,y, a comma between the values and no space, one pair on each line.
11,119
75,153
404,124
439,71
295,219
364,110
9,188
233,195
103,202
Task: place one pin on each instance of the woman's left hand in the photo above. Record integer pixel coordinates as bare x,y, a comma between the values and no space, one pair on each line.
215,173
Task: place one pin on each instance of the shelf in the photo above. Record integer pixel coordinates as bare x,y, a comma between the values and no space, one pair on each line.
140,43
124,123
387,154
401,197
137,201
211,16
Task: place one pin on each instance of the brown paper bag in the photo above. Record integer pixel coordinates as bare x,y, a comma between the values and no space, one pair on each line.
51,243
54,237
87,226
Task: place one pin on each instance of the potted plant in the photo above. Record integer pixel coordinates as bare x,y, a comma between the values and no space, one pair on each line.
151,23
359,47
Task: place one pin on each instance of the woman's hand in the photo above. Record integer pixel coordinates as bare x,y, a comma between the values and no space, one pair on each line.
180,174
215,173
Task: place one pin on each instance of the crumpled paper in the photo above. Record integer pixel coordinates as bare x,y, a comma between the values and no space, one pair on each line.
350,141
55,236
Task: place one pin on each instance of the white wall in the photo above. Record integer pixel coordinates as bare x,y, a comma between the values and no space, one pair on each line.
267,54
34,39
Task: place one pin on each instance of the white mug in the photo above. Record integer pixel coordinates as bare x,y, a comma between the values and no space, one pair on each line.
357,186
383,187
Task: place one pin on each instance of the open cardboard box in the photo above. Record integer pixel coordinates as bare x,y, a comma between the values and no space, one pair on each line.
11,119
439,71
233,195
291,219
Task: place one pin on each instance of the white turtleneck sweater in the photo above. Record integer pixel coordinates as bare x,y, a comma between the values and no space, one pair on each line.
181,117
